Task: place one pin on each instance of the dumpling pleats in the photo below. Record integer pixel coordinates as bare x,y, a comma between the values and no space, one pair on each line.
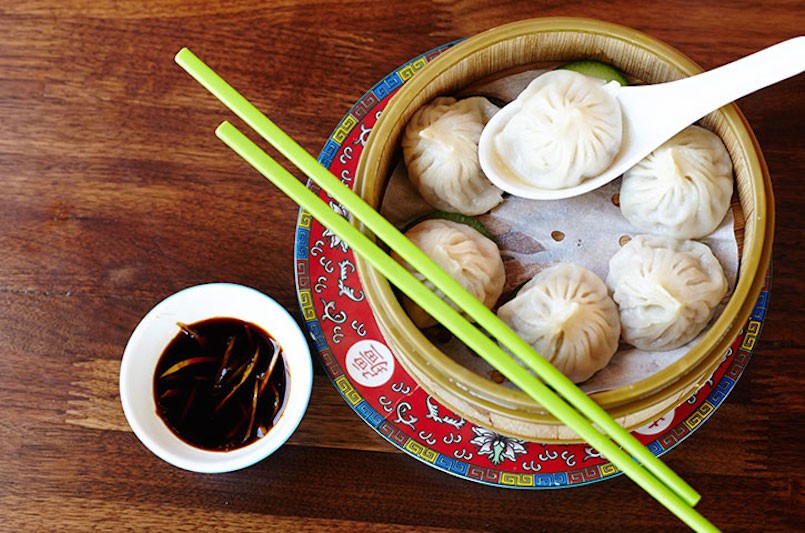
682,189
567,316
666,290
440,149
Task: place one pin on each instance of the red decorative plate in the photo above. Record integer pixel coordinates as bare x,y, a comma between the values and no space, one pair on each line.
365,371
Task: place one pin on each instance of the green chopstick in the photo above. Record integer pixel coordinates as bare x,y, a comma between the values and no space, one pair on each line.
455,322
455,292
388,233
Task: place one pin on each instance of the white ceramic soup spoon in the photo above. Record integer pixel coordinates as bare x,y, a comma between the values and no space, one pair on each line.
652,114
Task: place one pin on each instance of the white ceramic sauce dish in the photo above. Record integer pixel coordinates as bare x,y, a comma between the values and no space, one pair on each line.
159,327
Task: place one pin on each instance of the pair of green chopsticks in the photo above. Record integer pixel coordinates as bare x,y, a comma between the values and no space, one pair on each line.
645,469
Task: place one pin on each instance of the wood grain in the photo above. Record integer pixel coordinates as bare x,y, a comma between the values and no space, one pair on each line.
116,194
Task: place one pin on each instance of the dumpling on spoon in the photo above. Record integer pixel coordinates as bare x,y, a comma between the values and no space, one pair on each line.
563,128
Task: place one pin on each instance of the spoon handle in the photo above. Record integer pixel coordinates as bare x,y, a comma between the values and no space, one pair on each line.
654,113
713,89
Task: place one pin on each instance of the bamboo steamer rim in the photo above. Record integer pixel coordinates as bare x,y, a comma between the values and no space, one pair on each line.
459,388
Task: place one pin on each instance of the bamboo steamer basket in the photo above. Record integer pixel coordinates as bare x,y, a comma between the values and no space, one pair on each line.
516,45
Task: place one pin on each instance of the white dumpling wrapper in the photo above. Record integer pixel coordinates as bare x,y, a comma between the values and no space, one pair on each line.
682,189
667,290
440,150
469,257
568,127
566,314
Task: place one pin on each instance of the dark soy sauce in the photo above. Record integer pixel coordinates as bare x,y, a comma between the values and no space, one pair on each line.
220,383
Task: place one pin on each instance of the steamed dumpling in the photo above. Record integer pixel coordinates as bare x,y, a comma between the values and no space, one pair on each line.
666,290
566,127
440,149
567,316
465,254
682,189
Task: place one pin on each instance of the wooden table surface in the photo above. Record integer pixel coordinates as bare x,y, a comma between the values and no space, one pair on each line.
115,194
